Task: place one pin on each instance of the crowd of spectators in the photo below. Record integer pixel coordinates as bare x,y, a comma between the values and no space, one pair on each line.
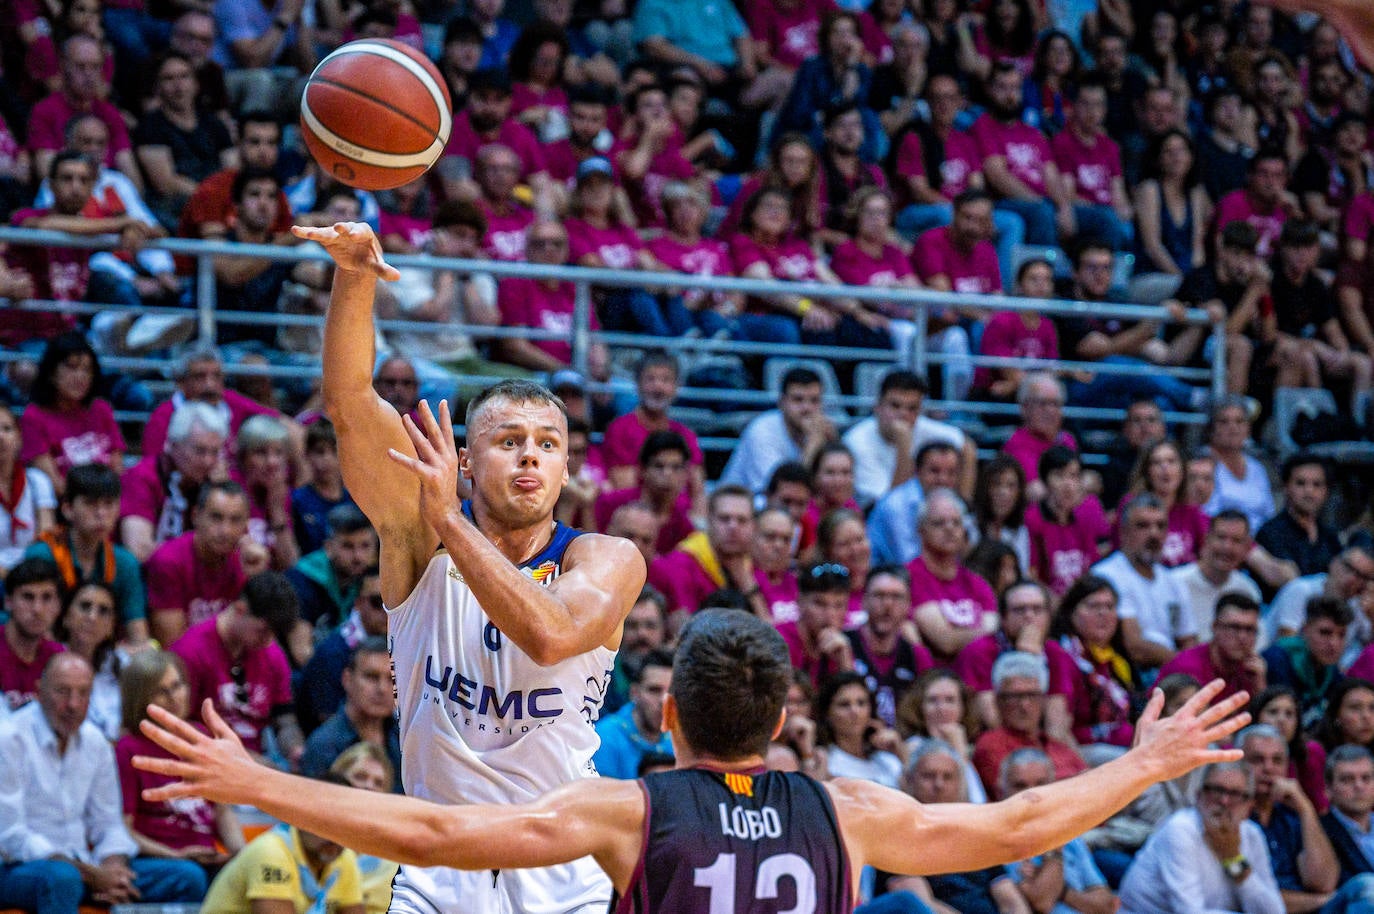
961,629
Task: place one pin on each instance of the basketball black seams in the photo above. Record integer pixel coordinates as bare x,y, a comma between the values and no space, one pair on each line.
326,81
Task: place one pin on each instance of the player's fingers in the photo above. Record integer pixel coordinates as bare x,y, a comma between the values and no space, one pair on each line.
410,463
216,723
1227,727
1223,709
167,792
1202,698
446,427
387,271
424,450
172,743
173,724
171,767
427,421
1153,708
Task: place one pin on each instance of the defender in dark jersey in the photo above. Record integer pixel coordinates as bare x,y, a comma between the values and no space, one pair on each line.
720,836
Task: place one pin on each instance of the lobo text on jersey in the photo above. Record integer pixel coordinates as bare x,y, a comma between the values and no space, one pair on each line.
750,824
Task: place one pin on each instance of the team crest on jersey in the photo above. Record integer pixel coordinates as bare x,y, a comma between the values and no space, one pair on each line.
741,785
544,573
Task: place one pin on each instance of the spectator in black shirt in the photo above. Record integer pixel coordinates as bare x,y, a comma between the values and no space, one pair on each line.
1310,348
1222,156
1297,534
1331,175
251,283
1144,424
884,655
178,145
1230,288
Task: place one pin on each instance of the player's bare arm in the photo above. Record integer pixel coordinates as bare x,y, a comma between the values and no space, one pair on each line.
600,817
893,832
581,610
367,425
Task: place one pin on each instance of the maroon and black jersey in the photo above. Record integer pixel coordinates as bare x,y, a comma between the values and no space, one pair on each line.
762,842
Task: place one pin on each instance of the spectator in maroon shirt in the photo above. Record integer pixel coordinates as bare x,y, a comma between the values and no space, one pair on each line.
1020,681
816,641
487,120
235,661
83,87
663,464
656,383
158,492
588,117
1231,653
496,170
33,603
197,575
951,605
544,304
189,828
1089,165
648,154
57,272
66,425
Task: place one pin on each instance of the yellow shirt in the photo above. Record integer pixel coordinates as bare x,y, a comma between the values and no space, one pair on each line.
270,868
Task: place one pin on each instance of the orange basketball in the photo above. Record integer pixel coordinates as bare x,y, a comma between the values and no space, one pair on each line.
376,114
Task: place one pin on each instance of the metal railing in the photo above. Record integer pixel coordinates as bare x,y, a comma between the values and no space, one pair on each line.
917,357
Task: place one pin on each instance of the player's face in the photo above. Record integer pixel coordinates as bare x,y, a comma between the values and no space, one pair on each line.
517,459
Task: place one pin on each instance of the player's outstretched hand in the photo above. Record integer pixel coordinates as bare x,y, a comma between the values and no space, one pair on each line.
1350,17
435,462
215,767
1177,744
353,245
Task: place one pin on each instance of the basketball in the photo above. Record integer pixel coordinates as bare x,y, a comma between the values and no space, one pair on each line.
376,114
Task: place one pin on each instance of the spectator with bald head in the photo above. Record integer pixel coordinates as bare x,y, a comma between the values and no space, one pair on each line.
637,523
952,606
62,833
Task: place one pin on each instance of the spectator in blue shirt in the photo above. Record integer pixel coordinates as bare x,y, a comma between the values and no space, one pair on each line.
1350,785
319,692
637,728
367,715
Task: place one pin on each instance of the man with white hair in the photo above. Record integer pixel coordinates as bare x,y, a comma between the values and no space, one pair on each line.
1041,397
1061,881
1020,681
952,605
1304,863
1207,858
159,492
199,375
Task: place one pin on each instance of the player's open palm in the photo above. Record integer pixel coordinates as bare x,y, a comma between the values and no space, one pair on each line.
215,767
1174,745
435,463
353,245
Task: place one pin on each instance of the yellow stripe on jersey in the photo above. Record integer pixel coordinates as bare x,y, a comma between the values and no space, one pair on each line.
740,784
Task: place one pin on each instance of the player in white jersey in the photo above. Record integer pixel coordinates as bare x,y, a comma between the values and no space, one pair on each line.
503,624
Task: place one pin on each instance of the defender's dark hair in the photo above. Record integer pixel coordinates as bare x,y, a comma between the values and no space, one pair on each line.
730,679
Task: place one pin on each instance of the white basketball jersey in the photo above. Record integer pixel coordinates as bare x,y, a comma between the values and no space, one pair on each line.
480,722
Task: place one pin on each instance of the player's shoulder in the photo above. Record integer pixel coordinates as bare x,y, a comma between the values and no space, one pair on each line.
600,550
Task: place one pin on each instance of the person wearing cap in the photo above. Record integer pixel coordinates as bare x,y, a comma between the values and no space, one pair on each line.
1231,287
545,304
1310,347
601,234
484,121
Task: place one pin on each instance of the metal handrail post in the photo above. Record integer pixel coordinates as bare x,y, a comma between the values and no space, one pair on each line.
916,358
581,334
1218,361
205,297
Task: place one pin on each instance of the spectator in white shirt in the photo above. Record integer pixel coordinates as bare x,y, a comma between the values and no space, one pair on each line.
1349,577
1217,569
62,833
1209,859
887,442
794,431
1155,623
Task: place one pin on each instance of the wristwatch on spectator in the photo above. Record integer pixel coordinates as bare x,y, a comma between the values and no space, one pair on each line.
1236,867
